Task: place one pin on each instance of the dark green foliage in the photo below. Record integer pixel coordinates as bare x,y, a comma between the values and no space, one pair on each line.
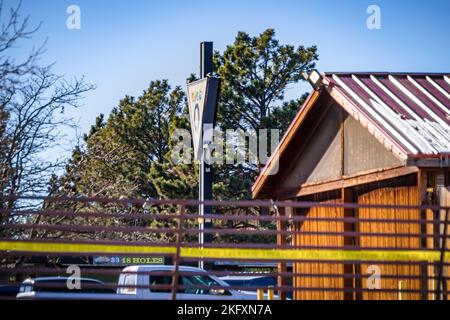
130,153
119,152
256,71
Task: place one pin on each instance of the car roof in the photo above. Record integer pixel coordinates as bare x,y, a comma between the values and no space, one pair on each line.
163,267
50,279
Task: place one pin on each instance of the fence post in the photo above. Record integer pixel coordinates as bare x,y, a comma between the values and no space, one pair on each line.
260,294
270,293
401,287
176,260
281,242
441,281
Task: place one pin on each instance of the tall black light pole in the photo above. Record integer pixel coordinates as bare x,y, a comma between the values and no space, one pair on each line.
205,170
206,59
203,96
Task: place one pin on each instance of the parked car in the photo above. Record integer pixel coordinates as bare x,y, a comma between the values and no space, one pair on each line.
56,288
246,281
9,291
130,277
253,282
132,285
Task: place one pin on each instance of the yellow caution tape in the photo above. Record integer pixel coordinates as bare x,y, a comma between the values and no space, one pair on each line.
227,253
45,247
309,254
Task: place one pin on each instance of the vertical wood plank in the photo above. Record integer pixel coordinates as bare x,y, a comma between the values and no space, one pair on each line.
281,241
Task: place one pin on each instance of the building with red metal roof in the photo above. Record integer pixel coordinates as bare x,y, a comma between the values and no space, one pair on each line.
407,113
367,139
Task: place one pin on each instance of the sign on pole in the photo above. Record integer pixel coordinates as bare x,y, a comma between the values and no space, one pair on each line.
203,96
196,101
202,102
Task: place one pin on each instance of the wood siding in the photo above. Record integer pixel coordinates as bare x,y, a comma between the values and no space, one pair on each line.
444,200
391,274
319,268
391,196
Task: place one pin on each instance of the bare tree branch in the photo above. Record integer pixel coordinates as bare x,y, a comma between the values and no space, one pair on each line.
32,104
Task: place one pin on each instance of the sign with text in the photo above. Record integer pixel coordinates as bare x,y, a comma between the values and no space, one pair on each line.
125,260
202,101
196,100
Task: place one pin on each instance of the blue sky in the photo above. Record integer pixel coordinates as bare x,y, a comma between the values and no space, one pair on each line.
123,45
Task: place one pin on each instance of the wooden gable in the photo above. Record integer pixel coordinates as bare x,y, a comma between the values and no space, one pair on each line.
329,145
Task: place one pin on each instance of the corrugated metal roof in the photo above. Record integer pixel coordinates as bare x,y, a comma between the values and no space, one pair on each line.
412,110
409,113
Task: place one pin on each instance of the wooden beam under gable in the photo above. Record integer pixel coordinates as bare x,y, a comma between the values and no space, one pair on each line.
345,182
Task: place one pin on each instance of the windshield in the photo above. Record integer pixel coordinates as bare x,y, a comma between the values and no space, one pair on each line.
192,284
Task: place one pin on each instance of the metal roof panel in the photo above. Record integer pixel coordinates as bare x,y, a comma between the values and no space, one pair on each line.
413,109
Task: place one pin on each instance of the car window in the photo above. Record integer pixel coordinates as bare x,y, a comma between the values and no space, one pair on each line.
160,280
26,287
129,282
190,283
92,286
198,281
51,286
187,281
60,286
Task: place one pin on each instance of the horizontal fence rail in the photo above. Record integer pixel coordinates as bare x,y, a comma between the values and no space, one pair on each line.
287,249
